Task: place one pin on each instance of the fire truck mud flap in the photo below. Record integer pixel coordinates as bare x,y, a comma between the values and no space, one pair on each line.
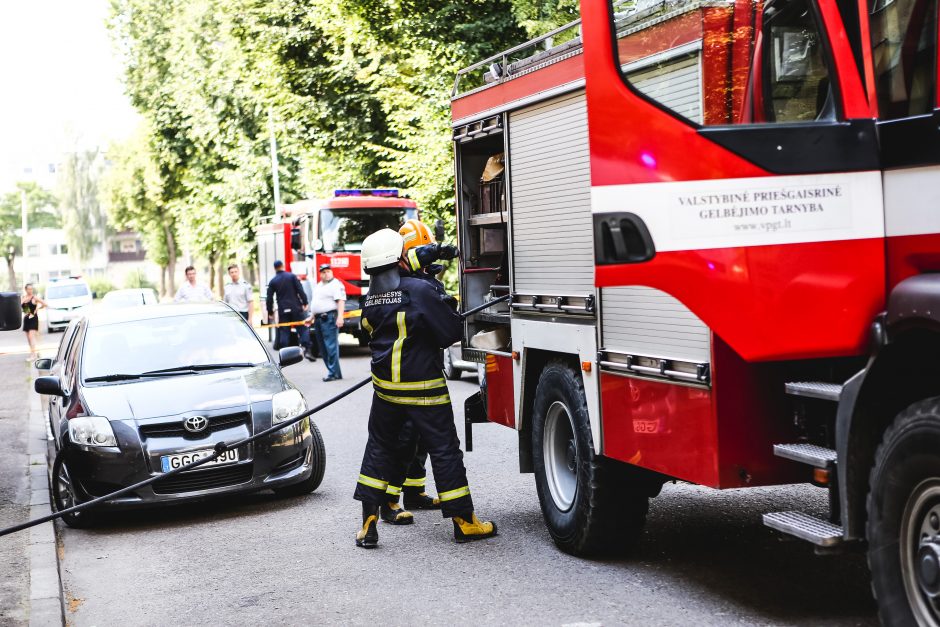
474,410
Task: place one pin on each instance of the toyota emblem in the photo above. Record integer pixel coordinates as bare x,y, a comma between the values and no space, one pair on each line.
196,424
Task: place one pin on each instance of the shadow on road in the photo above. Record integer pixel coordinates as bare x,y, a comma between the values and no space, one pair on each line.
209,512
701,539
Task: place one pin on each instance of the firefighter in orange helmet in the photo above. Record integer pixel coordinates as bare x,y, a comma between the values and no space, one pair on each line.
417,238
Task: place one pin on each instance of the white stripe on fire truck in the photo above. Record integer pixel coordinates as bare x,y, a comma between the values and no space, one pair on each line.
761,211
912,201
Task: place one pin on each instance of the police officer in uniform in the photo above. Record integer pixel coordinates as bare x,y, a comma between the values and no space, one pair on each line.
409,322
291,306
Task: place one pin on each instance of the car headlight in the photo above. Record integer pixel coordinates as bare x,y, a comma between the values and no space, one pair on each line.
286,405
91,431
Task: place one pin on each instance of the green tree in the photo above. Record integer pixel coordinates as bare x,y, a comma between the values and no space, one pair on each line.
40,213
83,218
134,196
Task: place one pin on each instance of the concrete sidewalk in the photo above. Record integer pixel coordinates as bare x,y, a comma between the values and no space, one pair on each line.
30,588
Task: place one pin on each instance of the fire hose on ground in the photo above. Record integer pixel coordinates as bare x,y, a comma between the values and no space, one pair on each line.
220,447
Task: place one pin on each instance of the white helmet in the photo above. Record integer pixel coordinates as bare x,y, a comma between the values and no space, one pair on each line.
381,250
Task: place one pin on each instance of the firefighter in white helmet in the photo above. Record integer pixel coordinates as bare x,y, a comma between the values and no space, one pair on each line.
421,251
409,323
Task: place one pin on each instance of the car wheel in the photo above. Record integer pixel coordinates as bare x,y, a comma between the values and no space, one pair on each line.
904,518
65,495
450,370
589,504
318,464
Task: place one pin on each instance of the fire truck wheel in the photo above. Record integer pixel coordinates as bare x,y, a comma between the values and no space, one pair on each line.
904,518
588,504
318,463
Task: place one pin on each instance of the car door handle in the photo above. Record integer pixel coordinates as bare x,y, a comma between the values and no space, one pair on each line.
621,237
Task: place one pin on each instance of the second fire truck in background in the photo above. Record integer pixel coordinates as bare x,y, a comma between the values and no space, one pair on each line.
309,233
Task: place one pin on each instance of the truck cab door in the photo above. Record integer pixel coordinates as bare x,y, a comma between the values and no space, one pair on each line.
735,175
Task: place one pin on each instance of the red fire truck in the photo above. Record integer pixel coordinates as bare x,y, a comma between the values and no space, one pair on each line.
719,221
309,233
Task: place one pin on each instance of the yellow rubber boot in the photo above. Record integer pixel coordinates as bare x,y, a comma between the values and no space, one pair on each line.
472,529
393,514
368,535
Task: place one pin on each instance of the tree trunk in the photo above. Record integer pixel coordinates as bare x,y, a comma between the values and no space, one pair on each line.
212,258
163,281
171,259
11,274
223,270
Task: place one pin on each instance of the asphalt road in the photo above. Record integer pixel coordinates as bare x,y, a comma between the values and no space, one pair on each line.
704,560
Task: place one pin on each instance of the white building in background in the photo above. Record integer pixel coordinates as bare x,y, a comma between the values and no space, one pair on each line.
47,257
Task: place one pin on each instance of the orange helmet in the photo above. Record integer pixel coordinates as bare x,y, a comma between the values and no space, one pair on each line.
415,233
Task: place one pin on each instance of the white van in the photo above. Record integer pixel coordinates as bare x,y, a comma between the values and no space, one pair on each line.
66,299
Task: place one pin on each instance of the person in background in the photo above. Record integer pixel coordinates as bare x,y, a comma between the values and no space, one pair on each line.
329,302
31,304
190,291
238,294
291,306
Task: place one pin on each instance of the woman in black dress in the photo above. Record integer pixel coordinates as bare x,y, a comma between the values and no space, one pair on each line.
31,304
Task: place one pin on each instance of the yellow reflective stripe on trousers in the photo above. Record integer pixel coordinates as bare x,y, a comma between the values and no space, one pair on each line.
378,484
366,326
393,490
396,348
430,384
416,483
450,495
415,400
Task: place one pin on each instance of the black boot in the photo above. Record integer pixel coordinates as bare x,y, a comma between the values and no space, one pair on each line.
417,498
392,513
368,536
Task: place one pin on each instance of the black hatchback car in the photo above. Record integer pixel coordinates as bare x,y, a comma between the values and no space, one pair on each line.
137,392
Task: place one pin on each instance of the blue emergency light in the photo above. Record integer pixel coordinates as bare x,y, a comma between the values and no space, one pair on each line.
382,193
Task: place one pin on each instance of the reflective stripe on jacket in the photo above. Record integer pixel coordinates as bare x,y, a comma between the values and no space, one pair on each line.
409,327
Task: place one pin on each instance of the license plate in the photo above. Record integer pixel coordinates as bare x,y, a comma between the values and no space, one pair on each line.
171,462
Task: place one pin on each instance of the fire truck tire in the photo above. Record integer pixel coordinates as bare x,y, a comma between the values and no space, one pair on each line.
588,503
904,518
318,463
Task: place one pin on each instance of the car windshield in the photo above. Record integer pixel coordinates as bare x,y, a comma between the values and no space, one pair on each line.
67,291
344,229
139,346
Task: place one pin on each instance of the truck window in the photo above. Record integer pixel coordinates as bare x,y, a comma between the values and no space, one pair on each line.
718,64
344,229
903,43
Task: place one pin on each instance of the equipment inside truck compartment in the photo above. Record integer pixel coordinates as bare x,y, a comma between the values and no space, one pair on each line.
483,232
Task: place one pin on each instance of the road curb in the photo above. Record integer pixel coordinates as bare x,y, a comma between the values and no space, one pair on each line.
46,598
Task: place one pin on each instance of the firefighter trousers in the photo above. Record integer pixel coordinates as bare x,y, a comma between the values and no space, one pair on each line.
411,475
385,460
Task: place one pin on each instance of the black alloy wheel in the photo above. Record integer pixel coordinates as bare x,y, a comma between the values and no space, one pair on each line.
65,495
591,505
904,518
318,468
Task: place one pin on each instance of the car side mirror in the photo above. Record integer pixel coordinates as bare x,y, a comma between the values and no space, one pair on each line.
10,314
43,364
50,386
288,355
